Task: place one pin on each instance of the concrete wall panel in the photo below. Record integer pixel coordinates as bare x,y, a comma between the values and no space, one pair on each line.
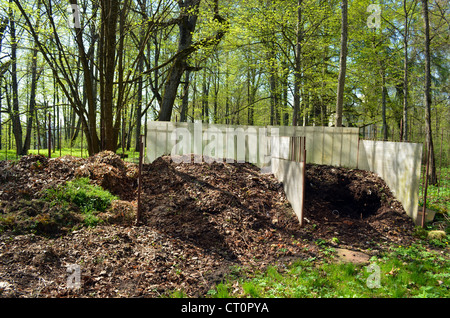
291,174
398,164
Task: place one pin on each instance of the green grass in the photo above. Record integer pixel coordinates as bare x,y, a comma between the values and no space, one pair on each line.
404,272
76,152
7,154
71,205
89,198
438,196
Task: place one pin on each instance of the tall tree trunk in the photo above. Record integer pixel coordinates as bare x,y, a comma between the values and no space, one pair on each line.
3,25
194,96
122,91
188,21
110,15
342,66
189,15
216,95
323,99
139,96
14,112
284,96
227,94
405,75
137,144
250,98
383,104
185,100
205,97
273,88
297,71
427,94
89,123
129,130
32,102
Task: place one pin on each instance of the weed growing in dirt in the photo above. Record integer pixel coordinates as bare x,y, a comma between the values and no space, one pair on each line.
58,210
80,192
89,198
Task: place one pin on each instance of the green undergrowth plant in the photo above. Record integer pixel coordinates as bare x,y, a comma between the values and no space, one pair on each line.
438,195
82,193
89,198
59,209
402,272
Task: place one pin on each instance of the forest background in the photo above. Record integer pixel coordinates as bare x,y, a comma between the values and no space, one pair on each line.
94,72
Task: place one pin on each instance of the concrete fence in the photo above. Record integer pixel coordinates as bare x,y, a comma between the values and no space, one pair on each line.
220,142
288,165
397,163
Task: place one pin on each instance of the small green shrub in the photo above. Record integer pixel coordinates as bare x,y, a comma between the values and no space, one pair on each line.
58,209
251,289
220,291
88,197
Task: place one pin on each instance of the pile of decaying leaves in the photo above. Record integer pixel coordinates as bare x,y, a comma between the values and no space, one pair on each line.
200,221
228,208
27,177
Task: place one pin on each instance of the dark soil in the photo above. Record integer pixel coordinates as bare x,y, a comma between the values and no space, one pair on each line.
199,222
355,206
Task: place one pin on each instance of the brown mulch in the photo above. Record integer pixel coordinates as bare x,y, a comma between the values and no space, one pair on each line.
200,221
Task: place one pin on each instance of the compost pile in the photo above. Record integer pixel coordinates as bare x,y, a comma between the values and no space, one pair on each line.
32,174
199,222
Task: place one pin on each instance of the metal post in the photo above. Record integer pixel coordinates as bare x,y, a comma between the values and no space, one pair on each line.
357,154
38,133
49,142
138,213
7,141
291,147
59,138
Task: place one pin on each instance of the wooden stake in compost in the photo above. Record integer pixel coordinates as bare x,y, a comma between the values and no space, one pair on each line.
82,144
141,151
38,133
59,137
49,143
